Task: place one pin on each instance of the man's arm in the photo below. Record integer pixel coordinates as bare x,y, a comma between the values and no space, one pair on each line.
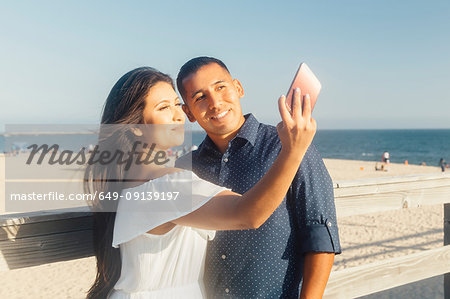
316,270
317,231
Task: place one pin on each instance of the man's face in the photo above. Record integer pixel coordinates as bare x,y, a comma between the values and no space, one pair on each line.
212,99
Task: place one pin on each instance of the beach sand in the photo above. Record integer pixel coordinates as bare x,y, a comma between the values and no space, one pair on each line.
364,239
355,170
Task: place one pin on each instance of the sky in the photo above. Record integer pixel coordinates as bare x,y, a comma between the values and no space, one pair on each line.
382,64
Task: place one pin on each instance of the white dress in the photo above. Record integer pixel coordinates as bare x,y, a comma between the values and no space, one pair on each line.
162,266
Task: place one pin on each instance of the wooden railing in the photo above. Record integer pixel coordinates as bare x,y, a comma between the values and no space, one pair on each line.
43,237
37,238
384,194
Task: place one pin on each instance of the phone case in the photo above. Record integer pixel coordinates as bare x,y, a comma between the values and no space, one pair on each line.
308,84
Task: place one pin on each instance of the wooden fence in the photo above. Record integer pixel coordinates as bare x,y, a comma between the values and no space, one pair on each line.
44,237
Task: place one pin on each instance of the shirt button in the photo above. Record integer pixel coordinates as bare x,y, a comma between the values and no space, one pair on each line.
225,160
227,290
224,256
329,224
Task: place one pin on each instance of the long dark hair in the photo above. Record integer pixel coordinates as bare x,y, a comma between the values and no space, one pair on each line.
125,105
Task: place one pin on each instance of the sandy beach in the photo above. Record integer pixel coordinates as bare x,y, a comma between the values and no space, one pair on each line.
342,170
364,239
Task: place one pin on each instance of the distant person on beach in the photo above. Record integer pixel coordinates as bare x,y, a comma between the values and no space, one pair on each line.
293,251
443,164
146,253
385,158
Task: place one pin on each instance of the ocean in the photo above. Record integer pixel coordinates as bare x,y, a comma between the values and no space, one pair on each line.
415,146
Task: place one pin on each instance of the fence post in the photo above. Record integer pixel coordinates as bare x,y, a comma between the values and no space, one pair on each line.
447,242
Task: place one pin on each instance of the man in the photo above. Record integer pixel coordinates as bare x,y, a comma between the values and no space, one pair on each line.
296,246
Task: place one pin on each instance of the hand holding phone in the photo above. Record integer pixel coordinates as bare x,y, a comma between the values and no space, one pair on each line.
308,84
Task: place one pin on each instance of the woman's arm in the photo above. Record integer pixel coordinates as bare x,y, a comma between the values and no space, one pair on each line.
231,211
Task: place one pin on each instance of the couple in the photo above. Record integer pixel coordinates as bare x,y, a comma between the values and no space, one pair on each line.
273,236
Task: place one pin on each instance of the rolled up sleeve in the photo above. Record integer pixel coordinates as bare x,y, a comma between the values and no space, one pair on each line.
320,237
314,211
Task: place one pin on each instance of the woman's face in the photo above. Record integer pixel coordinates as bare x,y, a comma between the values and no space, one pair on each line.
163,111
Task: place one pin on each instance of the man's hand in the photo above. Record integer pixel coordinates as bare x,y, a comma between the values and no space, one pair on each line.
316,270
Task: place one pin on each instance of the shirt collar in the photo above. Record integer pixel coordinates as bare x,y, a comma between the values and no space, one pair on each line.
248,131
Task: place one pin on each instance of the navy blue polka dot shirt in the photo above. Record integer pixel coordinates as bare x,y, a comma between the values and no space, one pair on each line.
266,262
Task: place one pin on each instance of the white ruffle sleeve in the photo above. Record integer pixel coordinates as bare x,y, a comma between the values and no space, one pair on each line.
147,206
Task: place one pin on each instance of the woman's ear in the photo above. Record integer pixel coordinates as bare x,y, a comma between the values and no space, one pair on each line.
188,113
137,132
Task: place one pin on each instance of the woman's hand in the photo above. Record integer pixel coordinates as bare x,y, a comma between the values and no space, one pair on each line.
297,128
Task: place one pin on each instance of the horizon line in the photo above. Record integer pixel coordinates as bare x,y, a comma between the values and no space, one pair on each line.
2,133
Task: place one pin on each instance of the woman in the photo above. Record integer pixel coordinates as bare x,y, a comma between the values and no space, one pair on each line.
162,244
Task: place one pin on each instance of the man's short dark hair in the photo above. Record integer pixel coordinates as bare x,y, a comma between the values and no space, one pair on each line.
193,66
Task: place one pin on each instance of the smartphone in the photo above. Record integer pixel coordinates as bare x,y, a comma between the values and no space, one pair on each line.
308,84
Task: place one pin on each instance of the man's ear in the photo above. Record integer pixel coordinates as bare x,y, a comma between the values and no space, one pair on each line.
188,113
239,87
